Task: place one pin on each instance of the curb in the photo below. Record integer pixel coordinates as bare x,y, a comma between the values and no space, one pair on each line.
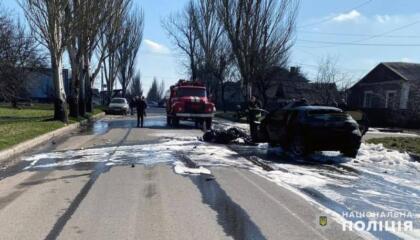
31,143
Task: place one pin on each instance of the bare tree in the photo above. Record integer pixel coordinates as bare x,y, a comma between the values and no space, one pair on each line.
180,27
76,15
128,50
136,86
79,14
153,94
19,55
89,21
161,90
214,52
114,35
328,79
260,33
118,11
47,19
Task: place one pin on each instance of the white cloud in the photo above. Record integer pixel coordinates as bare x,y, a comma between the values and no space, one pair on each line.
350,16
156,47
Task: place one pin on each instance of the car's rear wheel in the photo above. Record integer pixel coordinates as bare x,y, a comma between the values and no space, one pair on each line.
297,147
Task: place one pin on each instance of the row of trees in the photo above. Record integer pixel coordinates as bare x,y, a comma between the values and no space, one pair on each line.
157,91
101,34
224,39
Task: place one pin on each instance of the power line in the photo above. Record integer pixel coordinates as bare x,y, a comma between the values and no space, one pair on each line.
358,34
360,44
357,42
331,18
388,32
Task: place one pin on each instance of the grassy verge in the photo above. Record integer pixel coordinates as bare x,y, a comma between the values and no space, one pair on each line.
19,125
411,145
230,116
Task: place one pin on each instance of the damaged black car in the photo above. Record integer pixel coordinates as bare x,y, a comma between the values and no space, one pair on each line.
305,129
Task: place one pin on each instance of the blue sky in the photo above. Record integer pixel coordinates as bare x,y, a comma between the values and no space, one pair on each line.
364,23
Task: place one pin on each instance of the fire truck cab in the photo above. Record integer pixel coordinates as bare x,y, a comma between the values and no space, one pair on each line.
188,101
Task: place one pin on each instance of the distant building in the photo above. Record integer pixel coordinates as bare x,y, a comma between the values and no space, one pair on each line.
40,85
284,86
232,96
390,94
104,95
288,85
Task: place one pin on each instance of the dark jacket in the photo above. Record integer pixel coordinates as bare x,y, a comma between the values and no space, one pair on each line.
141,106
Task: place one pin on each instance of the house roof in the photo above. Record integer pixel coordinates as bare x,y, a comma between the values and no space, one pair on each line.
407,71
391,71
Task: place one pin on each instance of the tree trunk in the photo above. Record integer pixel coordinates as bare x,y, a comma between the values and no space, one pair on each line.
124,89
89,102
193,69
248,91
74,106
82,101
60,108
74,98
123,84
88,86
223,98
82,94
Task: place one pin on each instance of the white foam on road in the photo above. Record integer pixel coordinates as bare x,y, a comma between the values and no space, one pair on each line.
377,179
136,154
180,168
396,134
375,131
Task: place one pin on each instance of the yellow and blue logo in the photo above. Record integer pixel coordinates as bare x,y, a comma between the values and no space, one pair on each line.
323,221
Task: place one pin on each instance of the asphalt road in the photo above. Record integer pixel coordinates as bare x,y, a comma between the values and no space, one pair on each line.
148,201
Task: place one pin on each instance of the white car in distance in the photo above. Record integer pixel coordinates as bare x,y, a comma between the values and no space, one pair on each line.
118,106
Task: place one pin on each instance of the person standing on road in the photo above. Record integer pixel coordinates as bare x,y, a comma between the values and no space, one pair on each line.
141,106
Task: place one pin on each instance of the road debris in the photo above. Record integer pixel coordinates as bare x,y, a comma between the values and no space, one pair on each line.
227,136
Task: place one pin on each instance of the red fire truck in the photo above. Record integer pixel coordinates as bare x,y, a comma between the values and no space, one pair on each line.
188,101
